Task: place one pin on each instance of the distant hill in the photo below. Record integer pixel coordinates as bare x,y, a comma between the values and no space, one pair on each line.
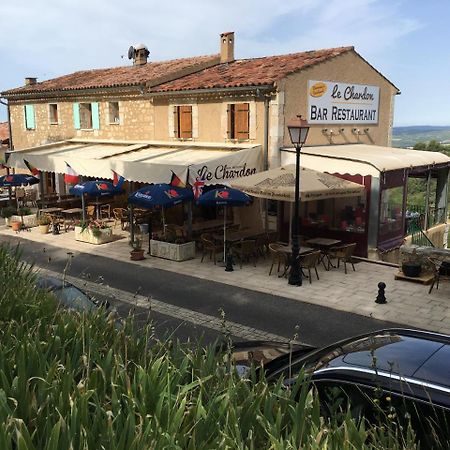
409,136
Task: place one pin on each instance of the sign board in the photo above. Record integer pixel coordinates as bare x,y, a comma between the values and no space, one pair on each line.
330,102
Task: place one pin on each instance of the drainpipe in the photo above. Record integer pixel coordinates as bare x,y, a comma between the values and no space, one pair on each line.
11,146
427,201
266,151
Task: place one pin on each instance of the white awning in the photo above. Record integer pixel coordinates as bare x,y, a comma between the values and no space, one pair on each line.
363,159
279,184
147,162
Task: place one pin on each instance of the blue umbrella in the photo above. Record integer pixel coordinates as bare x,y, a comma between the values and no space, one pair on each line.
224,196
160,195
96,188
18,179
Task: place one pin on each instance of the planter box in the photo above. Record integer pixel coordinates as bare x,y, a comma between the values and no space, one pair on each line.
86,235
29,220
174,252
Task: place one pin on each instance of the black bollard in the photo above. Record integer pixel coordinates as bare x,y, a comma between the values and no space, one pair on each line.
381,298
228,260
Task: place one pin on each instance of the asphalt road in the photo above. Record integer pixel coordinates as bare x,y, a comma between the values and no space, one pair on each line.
315,325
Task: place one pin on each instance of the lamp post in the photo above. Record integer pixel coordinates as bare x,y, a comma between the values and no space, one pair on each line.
298,132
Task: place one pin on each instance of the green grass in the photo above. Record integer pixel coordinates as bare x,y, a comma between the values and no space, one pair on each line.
72,381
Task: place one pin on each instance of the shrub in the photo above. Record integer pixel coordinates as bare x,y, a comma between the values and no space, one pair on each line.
8,212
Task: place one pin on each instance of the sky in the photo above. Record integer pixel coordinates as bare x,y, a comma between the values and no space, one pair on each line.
406,40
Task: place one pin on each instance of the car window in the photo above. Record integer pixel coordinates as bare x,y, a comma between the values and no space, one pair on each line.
437,368
72,297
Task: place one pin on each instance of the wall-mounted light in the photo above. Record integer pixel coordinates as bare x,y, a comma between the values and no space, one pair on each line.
327,132
366,130
341,130
356,131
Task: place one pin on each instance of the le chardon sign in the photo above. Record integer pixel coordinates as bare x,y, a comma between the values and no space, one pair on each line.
342,103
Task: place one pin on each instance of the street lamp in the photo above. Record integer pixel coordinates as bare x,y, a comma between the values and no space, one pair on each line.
298,132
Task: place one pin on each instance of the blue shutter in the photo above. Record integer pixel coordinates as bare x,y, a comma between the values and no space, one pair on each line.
76,116
29,117
95,116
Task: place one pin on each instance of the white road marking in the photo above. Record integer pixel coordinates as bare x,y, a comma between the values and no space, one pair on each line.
177,312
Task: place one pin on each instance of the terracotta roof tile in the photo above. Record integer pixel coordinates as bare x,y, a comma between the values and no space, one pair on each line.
117,76
4,131
201,72
251,72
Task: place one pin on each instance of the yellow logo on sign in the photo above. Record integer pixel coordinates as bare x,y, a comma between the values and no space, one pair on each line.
318,89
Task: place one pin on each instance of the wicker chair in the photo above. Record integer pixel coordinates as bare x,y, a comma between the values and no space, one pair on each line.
245,250
210,246
121,216
279,257
343,253
310,261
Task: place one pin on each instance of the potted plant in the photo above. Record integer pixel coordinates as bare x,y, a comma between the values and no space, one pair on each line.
43,223
137,254
25,216
172,247
93,232
7,213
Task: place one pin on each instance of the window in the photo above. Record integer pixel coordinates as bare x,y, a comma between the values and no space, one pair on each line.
86,116
183,122
53,113
114,117
29,117
238,121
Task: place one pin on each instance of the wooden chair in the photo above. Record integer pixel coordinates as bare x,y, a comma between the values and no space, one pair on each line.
90,212
343,253
121,216
210,246
310,261
439,272
105,211
245,251
278,257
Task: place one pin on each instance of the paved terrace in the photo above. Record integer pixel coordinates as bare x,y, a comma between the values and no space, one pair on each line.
408,302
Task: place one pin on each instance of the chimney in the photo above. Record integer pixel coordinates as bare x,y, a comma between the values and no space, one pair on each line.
140,55
30,80
227,47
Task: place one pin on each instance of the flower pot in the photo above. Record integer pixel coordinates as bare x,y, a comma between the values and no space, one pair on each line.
174,252
411,270
16,226
137,254
43,229
102,236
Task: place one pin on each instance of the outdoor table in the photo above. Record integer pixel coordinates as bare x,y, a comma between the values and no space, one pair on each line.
50,211
324,245
97,205
236,236
71,214
303,250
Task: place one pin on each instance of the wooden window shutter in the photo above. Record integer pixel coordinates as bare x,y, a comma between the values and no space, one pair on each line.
29,117
185,122
230,122
95,116
176,121
76,116
242,121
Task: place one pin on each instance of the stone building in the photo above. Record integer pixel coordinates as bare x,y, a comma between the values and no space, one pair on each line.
211,104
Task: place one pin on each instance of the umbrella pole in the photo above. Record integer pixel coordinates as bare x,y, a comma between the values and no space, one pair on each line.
164,221
225,235
83,207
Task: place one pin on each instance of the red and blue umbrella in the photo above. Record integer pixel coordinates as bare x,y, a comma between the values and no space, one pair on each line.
18,179
96,188
224,196
161,195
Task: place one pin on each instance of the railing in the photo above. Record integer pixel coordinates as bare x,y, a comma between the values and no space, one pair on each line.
435,215
418,236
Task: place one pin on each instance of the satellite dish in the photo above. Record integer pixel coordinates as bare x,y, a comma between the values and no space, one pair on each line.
131,52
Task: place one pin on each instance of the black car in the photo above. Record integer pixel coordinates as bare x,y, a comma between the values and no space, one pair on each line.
69,295
405,371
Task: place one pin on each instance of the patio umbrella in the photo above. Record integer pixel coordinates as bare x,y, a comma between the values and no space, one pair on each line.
96,188
161,195
224,196
18,179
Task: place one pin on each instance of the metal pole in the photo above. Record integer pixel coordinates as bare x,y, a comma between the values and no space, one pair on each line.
295,276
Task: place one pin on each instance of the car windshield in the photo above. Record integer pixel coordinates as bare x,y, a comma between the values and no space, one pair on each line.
389,352
72,297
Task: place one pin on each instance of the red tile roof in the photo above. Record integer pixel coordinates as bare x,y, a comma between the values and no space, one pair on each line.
118,76
4,131
251,72
200,72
